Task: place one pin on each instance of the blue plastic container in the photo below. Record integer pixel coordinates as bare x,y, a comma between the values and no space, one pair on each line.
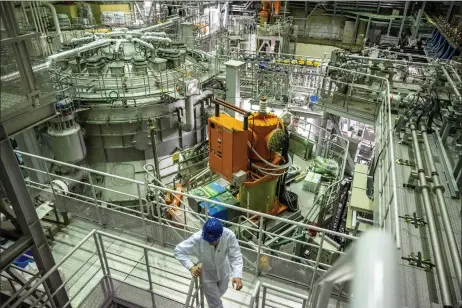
22,261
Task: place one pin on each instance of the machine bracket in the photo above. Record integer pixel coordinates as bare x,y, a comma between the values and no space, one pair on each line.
414,219
419,261
406,162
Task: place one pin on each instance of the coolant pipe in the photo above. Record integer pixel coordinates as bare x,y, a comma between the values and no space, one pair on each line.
143,43
432,230
438,189
55,19
69,53
156,38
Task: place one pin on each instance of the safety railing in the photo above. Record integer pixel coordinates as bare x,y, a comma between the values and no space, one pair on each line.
325,143
372,266
94,272
263,288
149,217
131,86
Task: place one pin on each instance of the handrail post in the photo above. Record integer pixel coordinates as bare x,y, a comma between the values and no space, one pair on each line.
143,219
148,268
54,192
260,241
159,218
98,209
103,265
315,269
104,259
263,298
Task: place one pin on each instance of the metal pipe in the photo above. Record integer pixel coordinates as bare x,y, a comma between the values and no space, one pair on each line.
438,189
160,26
33,17
162,34
143,43
189,108
23,8
451,82
70,53
84,39
55,19
156,38
432,231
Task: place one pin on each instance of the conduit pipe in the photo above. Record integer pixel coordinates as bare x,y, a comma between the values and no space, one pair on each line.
157,38
438,190
189,108
70,53
432,231
55,19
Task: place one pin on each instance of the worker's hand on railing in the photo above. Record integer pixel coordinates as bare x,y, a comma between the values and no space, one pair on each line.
237,283
196,271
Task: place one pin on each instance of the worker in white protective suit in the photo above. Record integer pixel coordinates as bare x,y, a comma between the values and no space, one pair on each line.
217,249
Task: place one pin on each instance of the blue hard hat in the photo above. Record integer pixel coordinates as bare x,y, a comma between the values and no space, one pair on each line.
212,230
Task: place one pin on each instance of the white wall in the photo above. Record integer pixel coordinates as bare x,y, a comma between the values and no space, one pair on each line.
314,50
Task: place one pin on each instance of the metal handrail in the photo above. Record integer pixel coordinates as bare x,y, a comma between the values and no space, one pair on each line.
102,253
372,264
255,297
165,189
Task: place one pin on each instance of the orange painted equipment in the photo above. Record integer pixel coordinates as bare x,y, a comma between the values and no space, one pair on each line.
262,126
173,201
227,145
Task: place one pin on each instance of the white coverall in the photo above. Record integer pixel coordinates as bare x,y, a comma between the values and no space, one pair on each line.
216,262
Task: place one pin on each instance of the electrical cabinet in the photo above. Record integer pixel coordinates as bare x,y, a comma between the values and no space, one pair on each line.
227,146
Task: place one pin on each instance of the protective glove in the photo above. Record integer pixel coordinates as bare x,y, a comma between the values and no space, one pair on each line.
196,270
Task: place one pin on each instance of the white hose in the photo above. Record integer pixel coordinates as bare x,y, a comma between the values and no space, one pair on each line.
287,165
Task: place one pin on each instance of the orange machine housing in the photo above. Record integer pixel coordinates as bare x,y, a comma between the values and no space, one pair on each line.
261,125
227,145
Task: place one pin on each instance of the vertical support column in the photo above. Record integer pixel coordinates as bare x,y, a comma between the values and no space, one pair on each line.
418,21
23,207
233,81
27,142
403,21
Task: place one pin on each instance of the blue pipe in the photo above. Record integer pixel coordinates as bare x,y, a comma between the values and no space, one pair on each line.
440,51
437,46
432,38
447,51
452,53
